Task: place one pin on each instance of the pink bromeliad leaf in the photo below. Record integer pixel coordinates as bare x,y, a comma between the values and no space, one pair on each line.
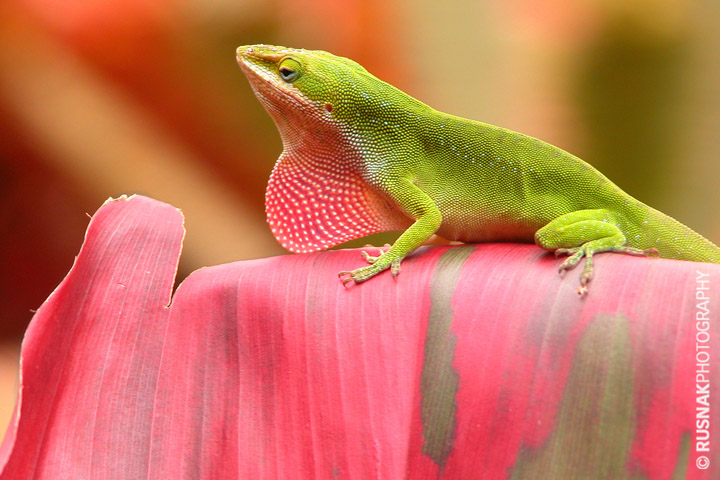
477,361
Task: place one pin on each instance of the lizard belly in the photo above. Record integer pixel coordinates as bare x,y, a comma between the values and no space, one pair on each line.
484,226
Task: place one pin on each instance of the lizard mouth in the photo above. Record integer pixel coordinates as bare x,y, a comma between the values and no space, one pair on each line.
266,84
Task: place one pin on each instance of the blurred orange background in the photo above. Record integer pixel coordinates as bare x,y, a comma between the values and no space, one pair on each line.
111,97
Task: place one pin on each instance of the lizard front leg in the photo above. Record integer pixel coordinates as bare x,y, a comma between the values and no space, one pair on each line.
582,234
418,205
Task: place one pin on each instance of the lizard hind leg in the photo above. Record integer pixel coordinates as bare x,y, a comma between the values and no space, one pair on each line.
582,234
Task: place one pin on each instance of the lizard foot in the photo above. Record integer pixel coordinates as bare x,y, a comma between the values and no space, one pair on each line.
576,254
358,275
363,273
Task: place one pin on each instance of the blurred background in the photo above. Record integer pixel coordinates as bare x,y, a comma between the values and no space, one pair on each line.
111,97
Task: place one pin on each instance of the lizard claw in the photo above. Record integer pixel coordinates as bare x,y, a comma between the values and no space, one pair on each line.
346,277
395,268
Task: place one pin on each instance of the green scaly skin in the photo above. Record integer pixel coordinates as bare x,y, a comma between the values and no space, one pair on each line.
360,156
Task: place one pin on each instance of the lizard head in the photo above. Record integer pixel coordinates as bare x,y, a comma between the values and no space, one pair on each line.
305,90
288,80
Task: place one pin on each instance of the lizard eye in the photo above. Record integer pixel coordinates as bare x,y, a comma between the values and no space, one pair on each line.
289,70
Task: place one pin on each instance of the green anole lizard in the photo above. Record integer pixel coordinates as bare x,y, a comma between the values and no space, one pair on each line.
360,157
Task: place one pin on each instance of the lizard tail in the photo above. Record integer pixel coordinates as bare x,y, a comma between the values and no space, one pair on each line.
672,239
